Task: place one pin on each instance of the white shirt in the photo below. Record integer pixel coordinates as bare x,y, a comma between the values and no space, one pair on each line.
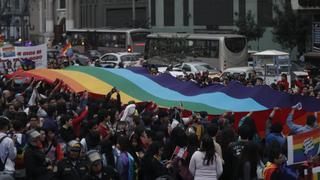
205,172
7,148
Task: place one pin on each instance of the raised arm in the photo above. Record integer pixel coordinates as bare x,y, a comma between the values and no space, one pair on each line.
118,103
243,119
292,126
269,121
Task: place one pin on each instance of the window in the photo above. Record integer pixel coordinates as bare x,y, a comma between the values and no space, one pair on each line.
186,68
129,58
109,58
77,38
62,4
112,40
17,4
168,12
235,45
139,36
265,12
203,48
309,3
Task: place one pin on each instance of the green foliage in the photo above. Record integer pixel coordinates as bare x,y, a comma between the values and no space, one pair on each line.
290,28
249,28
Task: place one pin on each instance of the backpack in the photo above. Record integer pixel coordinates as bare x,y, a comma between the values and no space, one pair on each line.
2,164
19,161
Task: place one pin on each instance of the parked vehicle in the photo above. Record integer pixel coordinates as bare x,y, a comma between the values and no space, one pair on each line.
237,71
218,50
120,59
190,68
94,54
108,39
81,59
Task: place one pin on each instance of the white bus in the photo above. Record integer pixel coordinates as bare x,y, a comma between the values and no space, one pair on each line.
218,50
108,40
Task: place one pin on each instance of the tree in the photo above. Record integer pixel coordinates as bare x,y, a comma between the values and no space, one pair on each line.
290,28
249,28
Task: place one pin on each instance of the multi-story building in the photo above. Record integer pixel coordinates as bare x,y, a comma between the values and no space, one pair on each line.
51,18
312,9
212,15
14,19
113,13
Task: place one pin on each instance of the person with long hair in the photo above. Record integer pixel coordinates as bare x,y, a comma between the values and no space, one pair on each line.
206,164
248,162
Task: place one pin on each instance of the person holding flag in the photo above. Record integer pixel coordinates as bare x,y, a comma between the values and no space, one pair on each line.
67,50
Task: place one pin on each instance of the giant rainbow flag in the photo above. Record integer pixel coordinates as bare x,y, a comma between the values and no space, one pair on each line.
139,85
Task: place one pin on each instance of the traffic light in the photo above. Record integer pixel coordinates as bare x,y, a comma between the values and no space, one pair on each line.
309,3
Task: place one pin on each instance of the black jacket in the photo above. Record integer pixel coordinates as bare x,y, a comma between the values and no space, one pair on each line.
151,168
108,173
71,170
36,167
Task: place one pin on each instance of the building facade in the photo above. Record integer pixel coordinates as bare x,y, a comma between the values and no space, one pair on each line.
51,18
14,19
311,8
113,13
194,16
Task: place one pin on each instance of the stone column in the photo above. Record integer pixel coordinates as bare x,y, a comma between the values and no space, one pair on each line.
49,22
76,14
178,13
41,16
49,16
159,13
70,12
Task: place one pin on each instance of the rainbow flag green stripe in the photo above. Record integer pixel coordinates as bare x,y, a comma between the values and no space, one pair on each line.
132,90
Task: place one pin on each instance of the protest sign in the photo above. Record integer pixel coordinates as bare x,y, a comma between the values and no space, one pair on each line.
304,146
29,57
316,173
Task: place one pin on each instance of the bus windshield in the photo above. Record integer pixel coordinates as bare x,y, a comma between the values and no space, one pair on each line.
235,44
112,40
139,37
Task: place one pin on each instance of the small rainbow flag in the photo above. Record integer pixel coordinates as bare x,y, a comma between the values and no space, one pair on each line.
65,49
302,147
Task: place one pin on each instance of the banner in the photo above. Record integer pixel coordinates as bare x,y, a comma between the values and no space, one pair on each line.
304,146
316,36
30,57
316,173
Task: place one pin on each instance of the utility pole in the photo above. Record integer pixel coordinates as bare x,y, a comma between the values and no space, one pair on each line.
133,13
